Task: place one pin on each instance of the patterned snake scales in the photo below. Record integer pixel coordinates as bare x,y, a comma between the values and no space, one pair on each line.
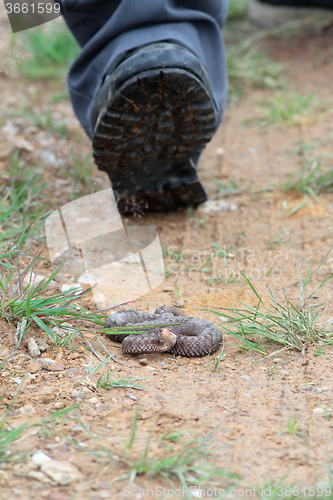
184,336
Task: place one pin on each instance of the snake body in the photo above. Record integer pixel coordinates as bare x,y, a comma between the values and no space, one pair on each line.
184,336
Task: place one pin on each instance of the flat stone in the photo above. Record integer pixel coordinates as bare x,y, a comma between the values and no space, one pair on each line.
27,410
40,457
52,365
61,471
33,348
76,288
59,405
39,476
4,352
217,206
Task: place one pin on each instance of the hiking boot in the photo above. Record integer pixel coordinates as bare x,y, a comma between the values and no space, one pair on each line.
270,13
152,116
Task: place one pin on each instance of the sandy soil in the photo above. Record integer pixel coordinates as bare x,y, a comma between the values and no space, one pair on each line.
248,402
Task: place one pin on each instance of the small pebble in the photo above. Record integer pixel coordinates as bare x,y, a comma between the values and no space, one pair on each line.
40,457
132,396
52,365
180,303
318,411
4,352
33,348
81,393
75,287
27,410
143,361
89,279
245,377
217,206
59,405
39,476
78,428
61,472
94,401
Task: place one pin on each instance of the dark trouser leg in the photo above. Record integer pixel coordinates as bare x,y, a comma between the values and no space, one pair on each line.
107,29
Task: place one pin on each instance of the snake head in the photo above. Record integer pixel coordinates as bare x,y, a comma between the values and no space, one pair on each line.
169,338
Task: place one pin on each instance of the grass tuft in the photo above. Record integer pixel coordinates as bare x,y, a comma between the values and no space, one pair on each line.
9,436
50,53
292,325
185,461
311,180
286,109
237,10
21,205
250,69
106,383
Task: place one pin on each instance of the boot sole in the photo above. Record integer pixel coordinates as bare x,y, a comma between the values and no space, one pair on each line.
146,134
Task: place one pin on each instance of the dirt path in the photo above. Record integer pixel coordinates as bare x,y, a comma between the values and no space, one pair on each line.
269,416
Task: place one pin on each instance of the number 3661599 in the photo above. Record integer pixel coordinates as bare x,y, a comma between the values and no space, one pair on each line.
32,8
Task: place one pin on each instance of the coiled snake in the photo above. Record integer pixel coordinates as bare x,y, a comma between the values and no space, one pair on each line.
184,336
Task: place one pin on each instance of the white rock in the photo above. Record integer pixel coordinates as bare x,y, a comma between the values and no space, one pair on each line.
321,411
27,410
61,472
59,405
24,144
40,457
89,279
132,396
94,401
39,476
33,348
217,206
49,158
76,287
